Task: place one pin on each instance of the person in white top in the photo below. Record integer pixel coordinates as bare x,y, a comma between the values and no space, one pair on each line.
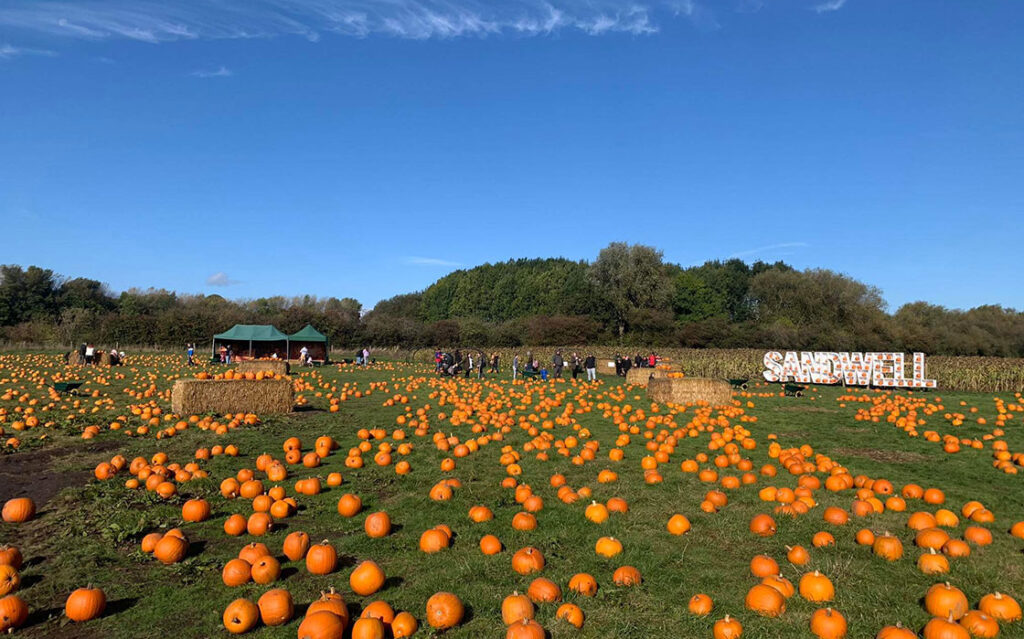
90,351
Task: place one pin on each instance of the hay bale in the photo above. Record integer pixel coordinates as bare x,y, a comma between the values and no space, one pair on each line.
75,359
104,359
263,397
689,390
274,366
640,376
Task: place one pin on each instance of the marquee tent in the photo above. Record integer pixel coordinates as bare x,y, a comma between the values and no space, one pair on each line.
252,341
316,344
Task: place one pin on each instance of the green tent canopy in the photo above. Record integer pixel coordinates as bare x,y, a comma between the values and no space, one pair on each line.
257,340
316,344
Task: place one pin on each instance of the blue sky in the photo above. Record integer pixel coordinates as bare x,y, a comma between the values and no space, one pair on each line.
365,148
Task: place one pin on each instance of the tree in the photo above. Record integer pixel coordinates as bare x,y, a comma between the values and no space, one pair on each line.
26,294
629,278
75,324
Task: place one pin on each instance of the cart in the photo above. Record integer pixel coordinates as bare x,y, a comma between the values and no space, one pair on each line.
67,388
793,390
739,383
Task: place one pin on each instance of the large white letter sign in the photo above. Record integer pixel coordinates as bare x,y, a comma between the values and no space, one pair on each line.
887,370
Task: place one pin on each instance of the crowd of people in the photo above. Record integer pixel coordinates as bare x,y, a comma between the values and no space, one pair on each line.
623,363
527,367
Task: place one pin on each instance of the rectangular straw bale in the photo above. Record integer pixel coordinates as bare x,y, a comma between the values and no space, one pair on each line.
689,390
275,366
639,376
263,397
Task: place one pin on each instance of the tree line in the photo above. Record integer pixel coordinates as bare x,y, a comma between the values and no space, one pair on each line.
627,295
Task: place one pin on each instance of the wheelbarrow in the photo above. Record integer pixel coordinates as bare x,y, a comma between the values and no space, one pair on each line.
66,388
738,383
793,390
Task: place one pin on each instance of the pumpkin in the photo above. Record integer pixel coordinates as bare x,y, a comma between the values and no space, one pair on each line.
321,625
931,538
1001,607
944,600
366,579
763,566
815,586
85,604
700,605
433,540
597,513
765,601
527,560
678,525
980,625
828,624
525,629
490,545
349,505
18,510
948,628
404,625
9,579
727,628
798,555
321,559
235,525
978,536
377,525
543,590
236,573
11,556
887,547
276,607
251,552
762,526
170,549
780,583
381,610
195,510
627,576
932,563
895,632
516,607
570,613
822,539
241,616
583,584
608,546
266,570
368,628
296,545
444,610
524,521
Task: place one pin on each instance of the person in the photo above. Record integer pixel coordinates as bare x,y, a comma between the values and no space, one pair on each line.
638,361
115,359
558,362
303,354
483,365
231,351
591,365
618,365
544,374
90,352
81,353
652,360
626,365
273,355
366,356
470,367
494,363
223,350
438,360
576,367
515,366
120,358
359,356
191,352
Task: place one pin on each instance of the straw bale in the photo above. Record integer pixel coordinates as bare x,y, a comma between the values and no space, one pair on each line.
74,359
275,366
689,390
639,376
104,359
263,397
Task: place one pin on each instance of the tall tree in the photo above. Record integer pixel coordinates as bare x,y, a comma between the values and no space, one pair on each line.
629,278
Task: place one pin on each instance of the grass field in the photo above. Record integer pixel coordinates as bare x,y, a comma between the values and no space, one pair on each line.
88,531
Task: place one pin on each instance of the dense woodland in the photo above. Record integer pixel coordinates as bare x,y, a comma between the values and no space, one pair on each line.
627,295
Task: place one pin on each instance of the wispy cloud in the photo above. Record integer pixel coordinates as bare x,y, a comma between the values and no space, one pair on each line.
156,21
8,51
829,5
221,72
220,278
430,261
770,248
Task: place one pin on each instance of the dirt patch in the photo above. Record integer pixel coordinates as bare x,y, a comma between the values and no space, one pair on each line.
805,409
34,473
886,456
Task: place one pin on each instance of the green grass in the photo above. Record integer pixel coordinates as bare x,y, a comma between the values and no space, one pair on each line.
90,532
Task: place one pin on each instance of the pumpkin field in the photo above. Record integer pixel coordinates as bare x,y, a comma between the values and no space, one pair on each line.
393,502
